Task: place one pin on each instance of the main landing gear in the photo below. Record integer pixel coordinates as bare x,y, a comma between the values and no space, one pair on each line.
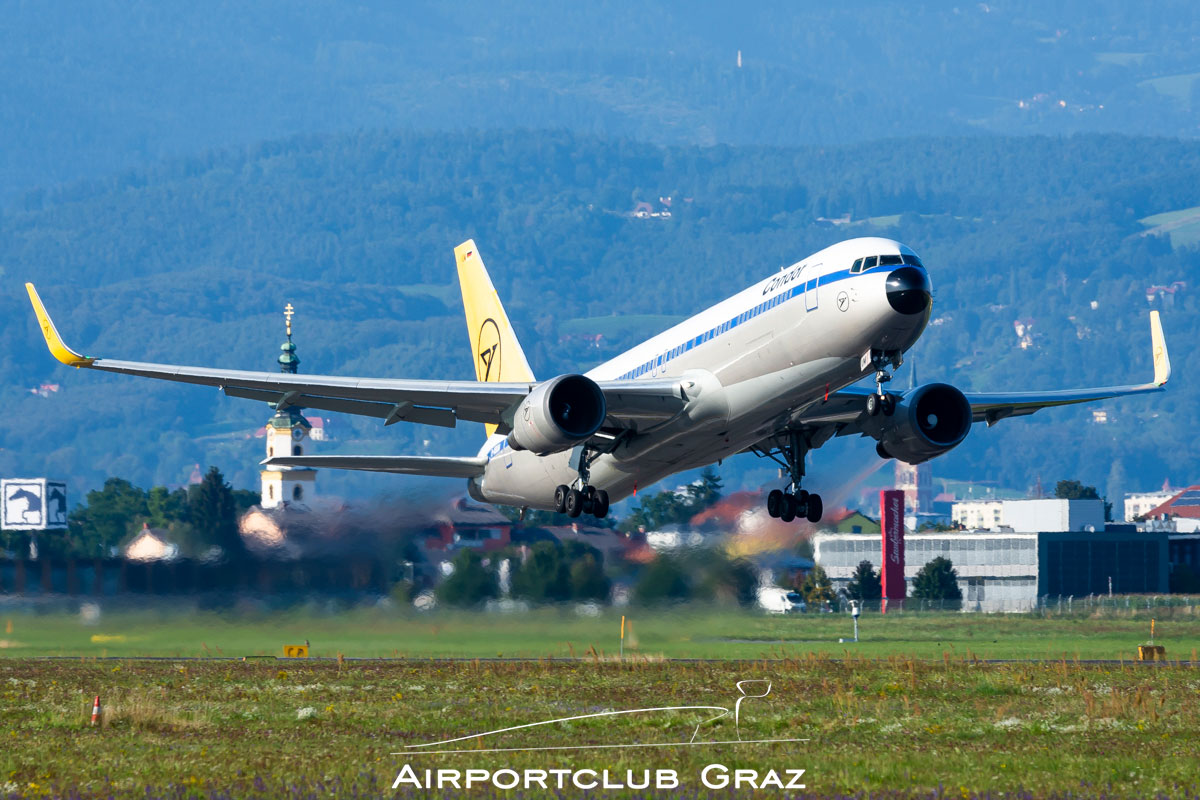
793,502
881,401
574,502
580,497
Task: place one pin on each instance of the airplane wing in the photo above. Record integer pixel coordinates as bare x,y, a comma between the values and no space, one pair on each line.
433,466
843,414
440,403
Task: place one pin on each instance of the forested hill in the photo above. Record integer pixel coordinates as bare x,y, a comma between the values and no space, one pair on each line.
191,261
91,88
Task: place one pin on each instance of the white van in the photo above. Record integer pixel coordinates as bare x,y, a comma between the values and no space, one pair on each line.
780,601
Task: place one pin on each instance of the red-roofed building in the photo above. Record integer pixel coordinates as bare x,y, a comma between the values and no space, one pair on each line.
467,524
1185,504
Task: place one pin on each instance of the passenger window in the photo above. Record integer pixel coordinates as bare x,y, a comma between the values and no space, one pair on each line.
890,261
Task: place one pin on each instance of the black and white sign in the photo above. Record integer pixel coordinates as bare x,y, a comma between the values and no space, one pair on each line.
33,504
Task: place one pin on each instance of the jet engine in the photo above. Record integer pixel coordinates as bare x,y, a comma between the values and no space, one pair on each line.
557,415
928,421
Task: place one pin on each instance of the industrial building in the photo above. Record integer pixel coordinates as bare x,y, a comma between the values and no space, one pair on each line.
1002,571
1051,514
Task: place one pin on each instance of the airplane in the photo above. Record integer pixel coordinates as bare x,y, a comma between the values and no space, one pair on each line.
770,370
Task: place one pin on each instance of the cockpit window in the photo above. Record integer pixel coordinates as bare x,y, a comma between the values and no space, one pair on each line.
870,262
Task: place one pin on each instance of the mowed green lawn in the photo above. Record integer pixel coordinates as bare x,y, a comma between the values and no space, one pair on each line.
309,729
677,632
1182,225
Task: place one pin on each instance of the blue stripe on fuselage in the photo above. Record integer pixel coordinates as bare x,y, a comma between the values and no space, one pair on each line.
771,301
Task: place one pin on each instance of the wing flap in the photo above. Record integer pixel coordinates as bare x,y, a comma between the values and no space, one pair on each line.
430,466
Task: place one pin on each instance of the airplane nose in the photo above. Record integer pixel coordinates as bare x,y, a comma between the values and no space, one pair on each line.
908,290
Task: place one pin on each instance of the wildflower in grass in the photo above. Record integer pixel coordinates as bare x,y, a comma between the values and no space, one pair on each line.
306,713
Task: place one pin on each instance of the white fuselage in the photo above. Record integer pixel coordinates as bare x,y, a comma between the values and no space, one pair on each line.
750,363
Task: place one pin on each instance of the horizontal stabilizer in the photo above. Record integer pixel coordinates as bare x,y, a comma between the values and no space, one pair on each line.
432,466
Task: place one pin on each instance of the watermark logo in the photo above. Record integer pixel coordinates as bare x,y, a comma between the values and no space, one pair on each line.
712,776
747,690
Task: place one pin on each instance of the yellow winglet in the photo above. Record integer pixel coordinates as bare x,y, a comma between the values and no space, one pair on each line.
58,348
1162,361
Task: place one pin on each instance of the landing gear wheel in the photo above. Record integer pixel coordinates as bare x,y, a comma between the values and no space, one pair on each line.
575,500
788,512
872,405
816,507
884,454
775,503
887,404
560,498
801,504
600,504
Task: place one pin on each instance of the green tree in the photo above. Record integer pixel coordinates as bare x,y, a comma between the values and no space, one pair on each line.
865,584
662,581
817,589
213,512
544,577
165,507
673,507
937,580
588,581
725,579
471,582
1074,490
705,491
110,515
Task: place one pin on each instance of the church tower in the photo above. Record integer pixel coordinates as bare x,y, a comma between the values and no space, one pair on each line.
288,433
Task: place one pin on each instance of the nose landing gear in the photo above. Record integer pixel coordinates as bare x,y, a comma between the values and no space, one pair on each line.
793,502
881,401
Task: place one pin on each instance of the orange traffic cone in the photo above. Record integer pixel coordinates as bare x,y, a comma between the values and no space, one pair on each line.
96,710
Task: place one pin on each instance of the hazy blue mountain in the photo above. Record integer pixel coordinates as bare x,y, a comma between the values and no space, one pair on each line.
87,89
191,261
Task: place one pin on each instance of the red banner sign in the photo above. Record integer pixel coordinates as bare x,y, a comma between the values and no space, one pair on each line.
891,514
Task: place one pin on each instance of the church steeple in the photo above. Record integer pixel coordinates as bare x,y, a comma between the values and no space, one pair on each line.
289,362
288,434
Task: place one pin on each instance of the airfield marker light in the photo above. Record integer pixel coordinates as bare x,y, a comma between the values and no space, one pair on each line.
8,626
95,711
622,636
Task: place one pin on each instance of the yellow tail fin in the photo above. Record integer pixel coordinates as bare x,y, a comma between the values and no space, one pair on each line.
494,347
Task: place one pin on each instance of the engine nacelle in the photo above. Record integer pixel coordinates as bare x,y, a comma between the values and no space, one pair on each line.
929,421
557,415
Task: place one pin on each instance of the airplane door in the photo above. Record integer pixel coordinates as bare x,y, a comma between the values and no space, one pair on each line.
811,287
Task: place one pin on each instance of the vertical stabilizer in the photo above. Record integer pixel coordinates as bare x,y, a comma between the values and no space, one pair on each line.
494,347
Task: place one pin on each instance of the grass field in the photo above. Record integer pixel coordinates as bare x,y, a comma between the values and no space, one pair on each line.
1176,86
654,633
908,709
319,729
1183,226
